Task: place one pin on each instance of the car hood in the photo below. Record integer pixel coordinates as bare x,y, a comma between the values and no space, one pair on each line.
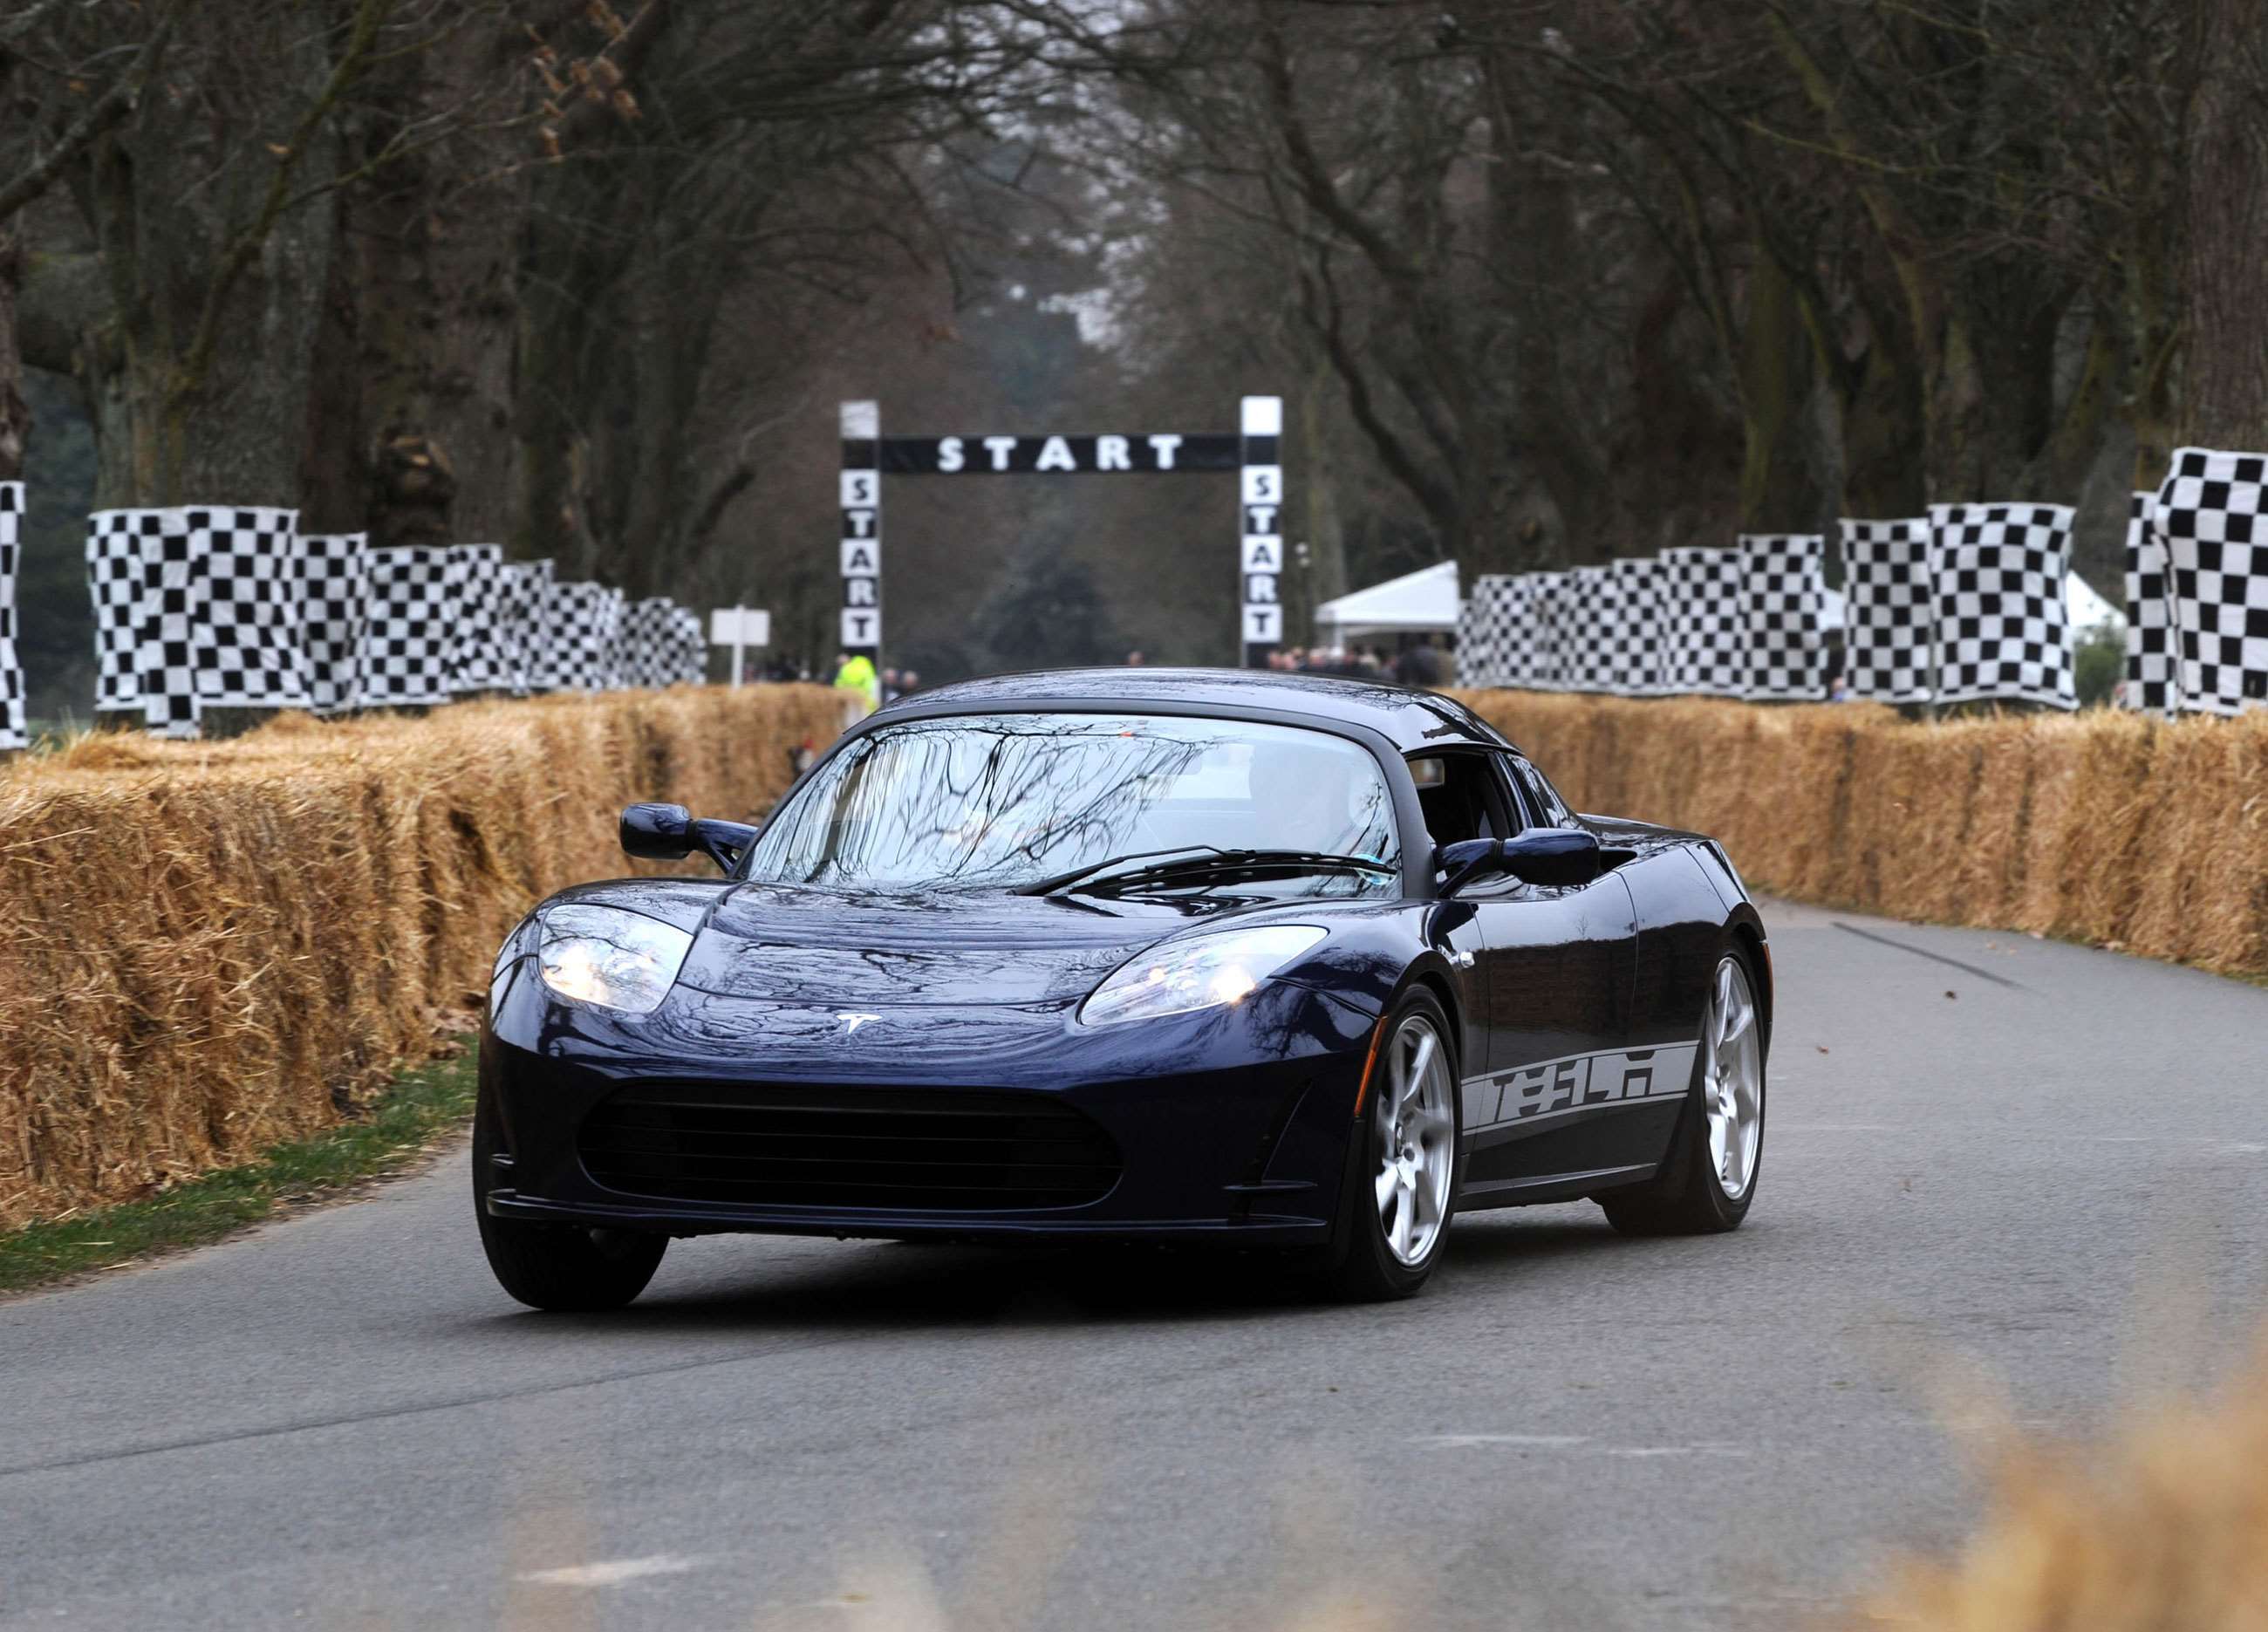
795,945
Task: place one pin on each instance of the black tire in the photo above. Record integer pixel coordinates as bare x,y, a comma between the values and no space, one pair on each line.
558,1266
1359,1266
1685,1197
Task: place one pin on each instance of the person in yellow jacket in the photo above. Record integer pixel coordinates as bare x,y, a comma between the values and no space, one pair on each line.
855,676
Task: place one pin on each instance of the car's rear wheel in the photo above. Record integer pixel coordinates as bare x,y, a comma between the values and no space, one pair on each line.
1709,1178
557,1266
1402,1187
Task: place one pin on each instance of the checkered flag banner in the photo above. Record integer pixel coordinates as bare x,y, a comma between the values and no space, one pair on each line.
2151,655
645,623
334,617
523,621
162,605
2001,634
2210,516
1783,616
613,605
1591,607
581,621
1637,650
13,731
406,632
1703,635
113,579
1889,600
482,654
245,605
1549,663
686,648
1475,667
1487,627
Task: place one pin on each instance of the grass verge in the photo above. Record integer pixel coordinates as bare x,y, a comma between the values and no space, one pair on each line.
420,1107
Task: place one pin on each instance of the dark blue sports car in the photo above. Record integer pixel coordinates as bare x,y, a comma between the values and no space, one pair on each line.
1288,964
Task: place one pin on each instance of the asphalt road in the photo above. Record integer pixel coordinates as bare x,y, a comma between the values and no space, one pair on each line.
1983,1152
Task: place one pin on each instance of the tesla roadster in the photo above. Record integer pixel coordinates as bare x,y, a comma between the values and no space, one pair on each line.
1292,965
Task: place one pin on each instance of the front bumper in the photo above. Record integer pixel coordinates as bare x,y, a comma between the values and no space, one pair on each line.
1230,1125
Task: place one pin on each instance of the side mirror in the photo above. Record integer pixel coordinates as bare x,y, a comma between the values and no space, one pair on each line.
672,832
1546,855
1553,856
656,832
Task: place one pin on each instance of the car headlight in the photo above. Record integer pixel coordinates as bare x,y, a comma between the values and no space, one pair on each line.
615,958
1204,972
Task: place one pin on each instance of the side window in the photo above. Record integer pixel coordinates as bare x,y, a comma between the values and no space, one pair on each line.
1460,798
1541,795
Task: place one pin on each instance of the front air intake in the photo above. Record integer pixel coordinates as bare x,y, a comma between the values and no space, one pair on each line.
886,1150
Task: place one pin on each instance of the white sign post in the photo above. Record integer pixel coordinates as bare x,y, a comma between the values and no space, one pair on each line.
740,628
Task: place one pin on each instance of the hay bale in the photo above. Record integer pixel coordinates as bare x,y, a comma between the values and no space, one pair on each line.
210,947
2102,826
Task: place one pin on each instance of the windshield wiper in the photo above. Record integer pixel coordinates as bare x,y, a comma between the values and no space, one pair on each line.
1214,862
1111,864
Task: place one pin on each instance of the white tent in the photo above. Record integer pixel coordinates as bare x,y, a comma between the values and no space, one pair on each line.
1423,602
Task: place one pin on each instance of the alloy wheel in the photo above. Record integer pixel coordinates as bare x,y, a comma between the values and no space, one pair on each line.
1732,1080
1418,1142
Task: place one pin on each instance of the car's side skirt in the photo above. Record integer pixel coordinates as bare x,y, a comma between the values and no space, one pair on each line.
1550,1186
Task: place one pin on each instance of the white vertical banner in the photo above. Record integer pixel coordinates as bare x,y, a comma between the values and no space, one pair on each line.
1260,560
862,530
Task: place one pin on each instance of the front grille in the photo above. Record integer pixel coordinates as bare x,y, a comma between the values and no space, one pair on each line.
893,1149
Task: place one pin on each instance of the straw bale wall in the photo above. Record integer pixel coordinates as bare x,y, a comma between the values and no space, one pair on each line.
2146,835
205,949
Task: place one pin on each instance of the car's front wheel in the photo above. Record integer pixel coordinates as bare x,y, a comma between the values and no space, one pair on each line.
558,1266
1403,1182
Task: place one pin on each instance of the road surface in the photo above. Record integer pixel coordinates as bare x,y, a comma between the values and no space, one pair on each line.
1983,1152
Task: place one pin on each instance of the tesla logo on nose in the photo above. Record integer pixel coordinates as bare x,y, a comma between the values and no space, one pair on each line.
853,1022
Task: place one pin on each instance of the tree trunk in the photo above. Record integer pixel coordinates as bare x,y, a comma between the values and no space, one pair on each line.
15,415
2227,402
1780,489
200,390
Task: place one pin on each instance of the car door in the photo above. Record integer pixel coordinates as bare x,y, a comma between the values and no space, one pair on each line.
1566,1100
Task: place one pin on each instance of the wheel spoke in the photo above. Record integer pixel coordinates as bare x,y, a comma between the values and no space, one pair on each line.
1398,1237
1421,1061
1388,1182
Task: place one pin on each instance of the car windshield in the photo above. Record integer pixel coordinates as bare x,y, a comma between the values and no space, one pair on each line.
1011,801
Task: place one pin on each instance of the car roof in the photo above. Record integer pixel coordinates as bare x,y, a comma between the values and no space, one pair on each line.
1410,718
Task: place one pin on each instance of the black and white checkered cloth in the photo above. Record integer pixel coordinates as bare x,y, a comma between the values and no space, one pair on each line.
165,620
482,657
1494,639
1638,650
2001,632
333,615
686,648
2152,659
1705,634
1591,610
583,622
523,617
1551,662
1889,600
408,627
113,579
1783,616
2212,516
643,627
245,644
13,731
